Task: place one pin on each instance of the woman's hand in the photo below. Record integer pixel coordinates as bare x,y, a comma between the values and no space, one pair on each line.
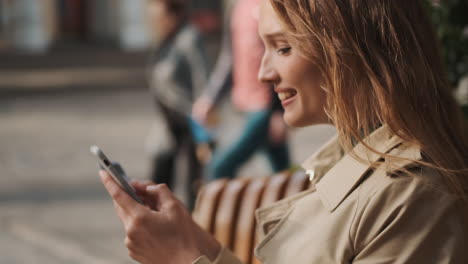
161,232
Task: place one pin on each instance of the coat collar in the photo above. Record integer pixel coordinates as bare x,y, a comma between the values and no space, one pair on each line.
339,181
323,160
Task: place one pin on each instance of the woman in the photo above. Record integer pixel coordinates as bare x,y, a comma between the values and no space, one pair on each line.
396,191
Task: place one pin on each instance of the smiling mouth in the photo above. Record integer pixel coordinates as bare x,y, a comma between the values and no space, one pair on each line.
286,95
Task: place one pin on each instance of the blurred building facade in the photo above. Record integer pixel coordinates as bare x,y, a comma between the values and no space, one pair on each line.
36,25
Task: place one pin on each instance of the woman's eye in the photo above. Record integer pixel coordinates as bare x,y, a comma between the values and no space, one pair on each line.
284,50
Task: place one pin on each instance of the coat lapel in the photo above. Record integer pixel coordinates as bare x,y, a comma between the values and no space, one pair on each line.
343,178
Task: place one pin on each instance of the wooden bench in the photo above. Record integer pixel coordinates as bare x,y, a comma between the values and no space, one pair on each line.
226,208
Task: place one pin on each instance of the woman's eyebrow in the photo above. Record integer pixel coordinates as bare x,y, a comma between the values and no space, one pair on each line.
275,35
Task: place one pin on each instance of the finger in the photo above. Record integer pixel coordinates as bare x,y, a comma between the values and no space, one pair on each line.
120,213
163,197
140,186
128,205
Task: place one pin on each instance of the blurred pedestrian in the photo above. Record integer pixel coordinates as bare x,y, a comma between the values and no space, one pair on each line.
264,129
178,71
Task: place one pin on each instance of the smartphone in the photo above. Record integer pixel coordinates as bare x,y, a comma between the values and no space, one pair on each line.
116,172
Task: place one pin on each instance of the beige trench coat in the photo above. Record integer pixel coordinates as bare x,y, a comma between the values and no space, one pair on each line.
356,214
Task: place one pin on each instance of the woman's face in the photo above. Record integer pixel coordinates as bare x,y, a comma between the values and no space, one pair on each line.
296,80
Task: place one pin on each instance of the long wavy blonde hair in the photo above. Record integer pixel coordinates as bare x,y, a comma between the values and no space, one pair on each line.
381,65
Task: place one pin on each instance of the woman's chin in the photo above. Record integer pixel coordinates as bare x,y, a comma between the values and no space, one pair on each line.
295,120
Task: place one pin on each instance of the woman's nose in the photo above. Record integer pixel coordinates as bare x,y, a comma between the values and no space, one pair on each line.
267,73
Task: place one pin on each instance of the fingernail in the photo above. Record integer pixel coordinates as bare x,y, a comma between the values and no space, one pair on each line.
102,174
151,188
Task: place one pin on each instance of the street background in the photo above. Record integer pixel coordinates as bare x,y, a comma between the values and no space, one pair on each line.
72,74
53,208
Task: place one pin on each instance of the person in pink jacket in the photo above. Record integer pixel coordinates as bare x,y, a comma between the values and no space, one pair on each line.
264,130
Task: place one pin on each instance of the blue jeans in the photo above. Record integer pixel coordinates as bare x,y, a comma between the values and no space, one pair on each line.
255,137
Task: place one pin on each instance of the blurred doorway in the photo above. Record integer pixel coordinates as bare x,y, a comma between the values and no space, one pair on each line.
73,20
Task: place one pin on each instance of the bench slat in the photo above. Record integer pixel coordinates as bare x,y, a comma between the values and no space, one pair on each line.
226,218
